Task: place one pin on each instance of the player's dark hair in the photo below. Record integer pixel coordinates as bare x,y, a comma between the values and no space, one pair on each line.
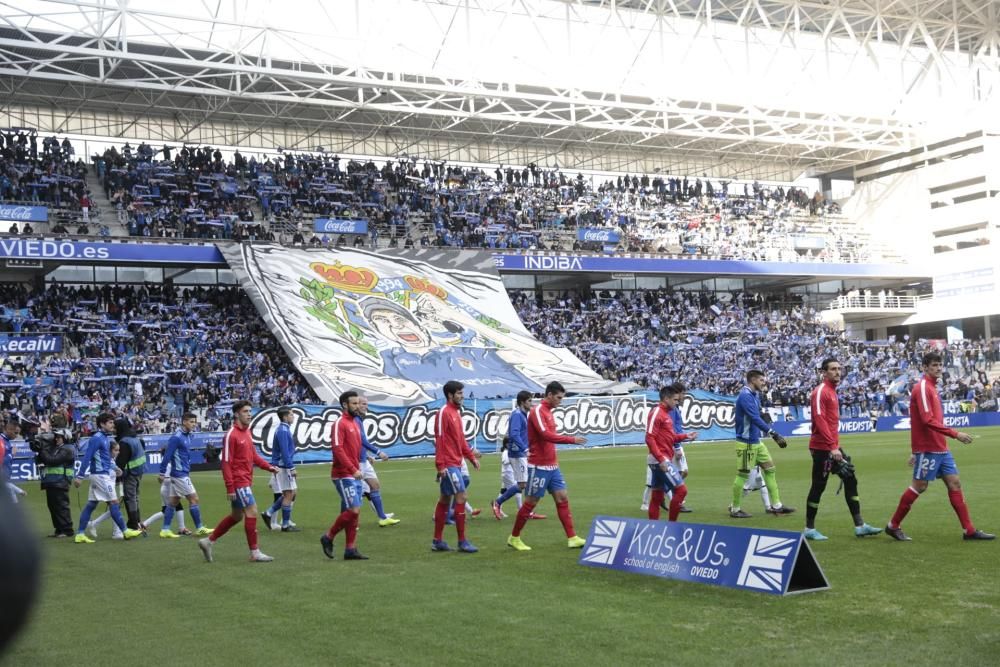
668,391
554,388
188,415
825,366
752,375
104,418
930,358
523,396
239,405
679,387
346,396
451,387
283,412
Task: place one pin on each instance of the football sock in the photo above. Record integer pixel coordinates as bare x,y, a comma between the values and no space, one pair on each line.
521,519
343,519
250,528
957,499
116,516
741,478
565,517
812,508
153,518
771,482
905,503
646,495
275,506
102,518
85,515
508,494
655,498
351,530
195,514
286,515
168,517
460,521
376,499
180,517
440,516
223,527
680,493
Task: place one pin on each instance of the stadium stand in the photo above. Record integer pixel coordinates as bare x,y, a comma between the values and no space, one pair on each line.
707,341
197,192
152,351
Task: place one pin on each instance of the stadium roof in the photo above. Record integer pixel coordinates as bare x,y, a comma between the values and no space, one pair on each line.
731,88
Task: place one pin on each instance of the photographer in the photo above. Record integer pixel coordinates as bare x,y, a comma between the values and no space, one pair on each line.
56,455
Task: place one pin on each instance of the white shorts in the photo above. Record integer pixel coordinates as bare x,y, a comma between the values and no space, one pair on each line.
680,460
519,469
166,490
507,476
102,488
283,480
649,475
367,470
181,487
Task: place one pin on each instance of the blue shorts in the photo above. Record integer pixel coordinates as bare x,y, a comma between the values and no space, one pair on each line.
349,490
931,466
452,481
540,481
669,480
244,498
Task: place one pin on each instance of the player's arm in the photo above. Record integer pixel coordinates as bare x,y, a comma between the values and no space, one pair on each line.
518,430
168,456
924,405
226,464
547,430
287,449
260,461
366,444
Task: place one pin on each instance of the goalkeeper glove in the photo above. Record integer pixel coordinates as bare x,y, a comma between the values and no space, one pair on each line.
778,439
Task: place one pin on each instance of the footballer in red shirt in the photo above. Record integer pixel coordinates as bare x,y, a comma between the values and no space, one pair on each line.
345,473
450,449
543,469
828,457
239,456
660,440
931,459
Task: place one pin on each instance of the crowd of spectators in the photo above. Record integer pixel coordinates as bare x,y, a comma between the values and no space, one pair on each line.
149,351
45,176
198,192
709,341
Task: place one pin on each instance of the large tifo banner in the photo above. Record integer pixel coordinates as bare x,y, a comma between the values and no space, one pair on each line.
767,561
409,431
397,327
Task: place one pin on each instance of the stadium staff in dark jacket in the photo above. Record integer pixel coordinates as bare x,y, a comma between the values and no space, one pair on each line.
132,460
55,453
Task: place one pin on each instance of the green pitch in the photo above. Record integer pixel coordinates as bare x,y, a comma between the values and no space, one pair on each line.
935,600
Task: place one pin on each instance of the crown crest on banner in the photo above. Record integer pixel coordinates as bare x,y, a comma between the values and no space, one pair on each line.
345,277
424,285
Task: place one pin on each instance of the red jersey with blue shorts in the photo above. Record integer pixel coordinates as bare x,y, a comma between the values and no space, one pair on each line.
932,459
239,456
660,440
450,446
346,446
825,418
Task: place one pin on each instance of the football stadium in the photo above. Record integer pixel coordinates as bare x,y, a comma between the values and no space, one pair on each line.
615,332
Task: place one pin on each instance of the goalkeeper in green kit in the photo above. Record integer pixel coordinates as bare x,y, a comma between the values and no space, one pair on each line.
751,451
